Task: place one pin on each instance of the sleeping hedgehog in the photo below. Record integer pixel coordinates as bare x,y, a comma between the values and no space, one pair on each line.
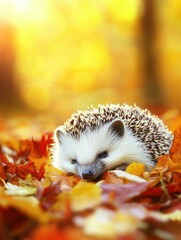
105,138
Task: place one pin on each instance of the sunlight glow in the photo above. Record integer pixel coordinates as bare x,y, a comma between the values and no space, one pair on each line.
69,44
21,5
12,11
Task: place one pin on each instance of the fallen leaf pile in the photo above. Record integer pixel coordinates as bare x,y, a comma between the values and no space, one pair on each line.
38,201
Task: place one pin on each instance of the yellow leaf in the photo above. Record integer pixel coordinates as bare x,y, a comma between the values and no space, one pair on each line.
52,172
28,205
164,217
62,204
85,196
12,189
128,176
136,168
107,223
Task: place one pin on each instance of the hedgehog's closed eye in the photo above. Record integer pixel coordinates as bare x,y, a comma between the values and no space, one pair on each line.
102,154
73,161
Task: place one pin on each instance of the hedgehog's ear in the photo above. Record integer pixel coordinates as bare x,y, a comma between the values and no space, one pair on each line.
59,133
117,127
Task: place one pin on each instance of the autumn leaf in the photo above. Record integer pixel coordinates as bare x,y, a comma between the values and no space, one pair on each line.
47,196
163,193
38,162
85,196
39,148
175,151
110,177
10,228
47,232
174,206
2,172
17,190
122,193
106,223
136,168
122,204
127,176
25,157
20,203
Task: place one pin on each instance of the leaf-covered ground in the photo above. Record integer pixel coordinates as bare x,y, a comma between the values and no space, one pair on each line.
38,201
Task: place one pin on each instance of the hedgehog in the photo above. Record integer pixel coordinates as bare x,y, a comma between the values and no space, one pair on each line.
109,137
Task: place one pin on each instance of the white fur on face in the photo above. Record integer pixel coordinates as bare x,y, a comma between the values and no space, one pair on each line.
125,149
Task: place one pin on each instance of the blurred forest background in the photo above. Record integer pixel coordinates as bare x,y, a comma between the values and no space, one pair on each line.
57,56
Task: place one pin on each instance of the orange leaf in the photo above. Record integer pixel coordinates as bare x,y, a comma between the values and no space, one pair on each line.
47,232
174,166
40,148
176,177
175,151
162,164
110,177
2,172
38,162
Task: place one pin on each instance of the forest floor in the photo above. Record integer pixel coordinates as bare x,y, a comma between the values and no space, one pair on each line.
38,201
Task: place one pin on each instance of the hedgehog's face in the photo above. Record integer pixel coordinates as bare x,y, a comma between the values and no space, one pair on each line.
93,153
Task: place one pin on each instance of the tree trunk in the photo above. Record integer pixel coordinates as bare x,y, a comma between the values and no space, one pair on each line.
151,78
9,92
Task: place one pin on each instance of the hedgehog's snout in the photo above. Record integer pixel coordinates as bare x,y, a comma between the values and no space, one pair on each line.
87,174
91,171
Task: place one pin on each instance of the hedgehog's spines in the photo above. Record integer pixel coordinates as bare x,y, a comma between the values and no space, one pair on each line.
146,127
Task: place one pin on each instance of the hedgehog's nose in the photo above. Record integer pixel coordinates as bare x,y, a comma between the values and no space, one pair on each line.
87,174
